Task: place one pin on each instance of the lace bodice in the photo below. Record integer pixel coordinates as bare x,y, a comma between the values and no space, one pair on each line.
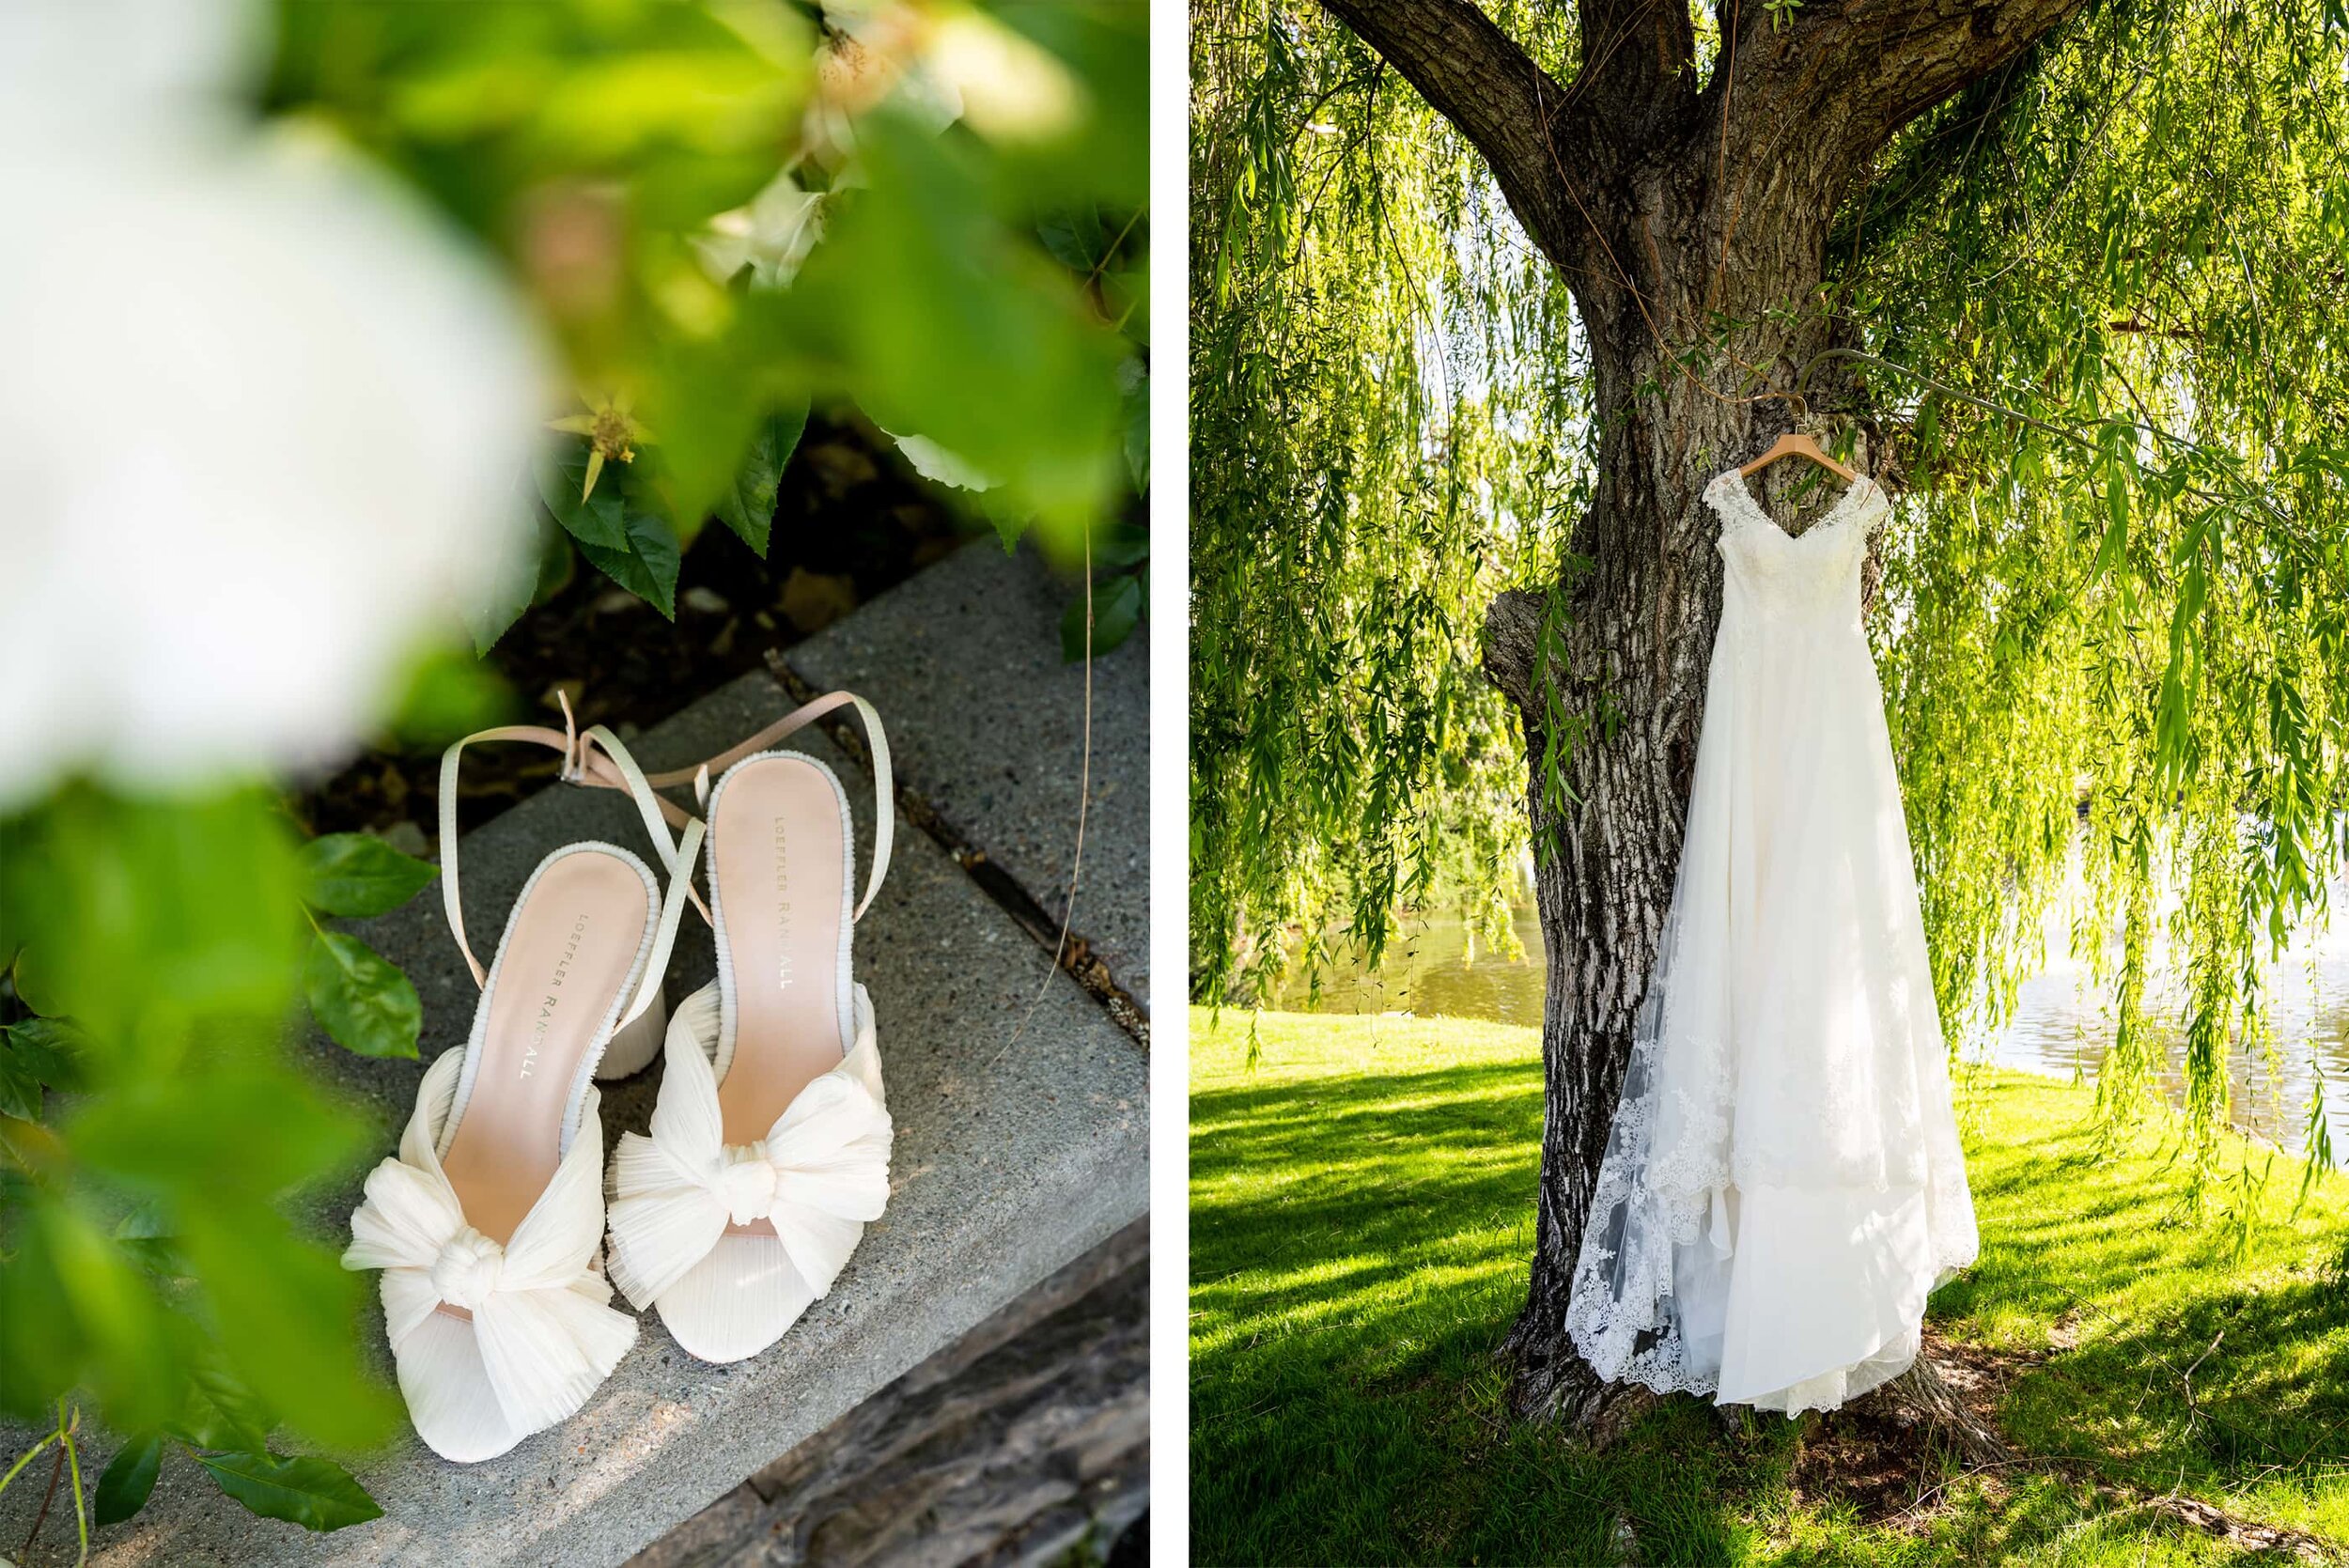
1815,573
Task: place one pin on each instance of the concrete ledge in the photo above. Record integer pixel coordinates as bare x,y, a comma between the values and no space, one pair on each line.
1011,1159
986,723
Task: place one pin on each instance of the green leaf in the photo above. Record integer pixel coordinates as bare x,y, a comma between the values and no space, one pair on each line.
528,577
359,999
629,545
42,1341
1138,435
708,400
287,1314
128,1477
149,911
645,564
1075,239
119,1313
157,1255
448,692
315,1494
245,1133
1116,611
985,346
748,503
1119,546
20,1089
358,875
221,1413
31,988
55,1051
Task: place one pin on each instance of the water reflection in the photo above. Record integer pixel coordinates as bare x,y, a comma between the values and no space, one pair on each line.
1431,969
2062,1023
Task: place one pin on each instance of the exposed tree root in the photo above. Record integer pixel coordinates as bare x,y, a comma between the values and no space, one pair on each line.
1950,1393
1886,1452
1880,1453
1565,1392
2243,1532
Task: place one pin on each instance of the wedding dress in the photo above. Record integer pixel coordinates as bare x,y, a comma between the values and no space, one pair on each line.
1782,1185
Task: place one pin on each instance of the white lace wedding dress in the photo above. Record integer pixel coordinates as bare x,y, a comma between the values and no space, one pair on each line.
1782,1183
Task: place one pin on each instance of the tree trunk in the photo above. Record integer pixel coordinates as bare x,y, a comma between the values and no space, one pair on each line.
1632,643
1691,226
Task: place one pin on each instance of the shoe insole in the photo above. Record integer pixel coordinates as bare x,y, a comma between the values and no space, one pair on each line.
567,957
778,862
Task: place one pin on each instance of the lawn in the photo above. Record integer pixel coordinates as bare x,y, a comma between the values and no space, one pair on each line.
1361,1213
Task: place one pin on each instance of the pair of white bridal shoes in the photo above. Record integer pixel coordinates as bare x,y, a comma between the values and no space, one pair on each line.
769,1146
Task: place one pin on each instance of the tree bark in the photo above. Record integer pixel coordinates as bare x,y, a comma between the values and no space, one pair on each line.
1691,226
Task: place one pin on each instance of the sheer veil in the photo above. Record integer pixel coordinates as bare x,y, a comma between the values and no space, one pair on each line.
1666,1153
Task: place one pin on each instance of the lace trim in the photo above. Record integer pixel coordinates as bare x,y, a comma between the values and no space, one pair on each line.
1687,1166
1737,510
1655,1195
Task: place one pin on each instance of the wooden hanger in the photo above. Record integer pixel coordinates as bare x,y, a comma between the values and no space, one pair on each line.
1794,443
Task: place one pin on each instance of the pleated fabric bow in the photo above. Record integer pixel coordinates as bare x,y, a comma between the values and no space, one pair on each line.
819,1174
543,1335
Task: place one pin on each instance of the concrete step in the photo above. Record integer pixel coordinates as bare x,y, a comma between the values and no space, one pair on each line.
985,724
1012,1156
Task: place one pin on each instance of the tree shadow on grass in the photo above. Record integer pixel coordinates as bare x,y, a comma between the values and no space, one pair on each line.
2146,1343
1358,1247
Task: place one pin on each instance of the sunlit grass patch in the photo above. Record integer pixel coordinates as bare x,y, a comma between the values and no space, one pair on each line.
1362,1214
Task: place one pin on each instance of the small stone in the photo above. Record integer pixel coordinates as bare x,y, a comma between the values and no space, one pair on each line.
702,601
841,467
723,644
408,839
811,600
616,602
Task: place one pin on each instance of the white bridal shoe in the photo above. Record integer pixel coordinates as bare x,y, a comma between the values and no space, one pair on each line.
488,1224
770,1144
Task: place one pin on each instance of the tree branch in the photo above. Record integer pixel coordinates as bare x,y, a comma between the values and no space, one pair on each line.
1534,137
1638,64
1863,68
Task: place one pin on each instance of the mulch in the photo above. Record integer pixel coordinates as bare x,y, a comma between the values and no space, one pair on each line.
1895,1472
1889,1465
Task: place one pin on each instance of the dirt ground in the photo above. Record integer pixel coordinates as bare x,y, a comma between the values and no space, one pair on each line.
850,522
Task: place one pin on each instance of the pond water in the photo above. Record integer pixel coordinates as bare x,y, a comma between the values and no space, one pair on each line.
2062,1022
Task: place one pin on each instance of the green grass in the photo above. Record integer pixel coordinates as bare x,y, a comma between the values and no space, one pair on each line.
1361,1215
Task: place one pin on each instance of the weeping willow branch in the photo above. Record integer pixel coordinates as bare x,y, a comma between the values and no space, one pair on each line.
2113,624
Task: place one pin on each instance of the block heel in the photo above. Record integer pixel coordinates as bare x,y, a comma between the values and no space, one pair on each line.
488,1223
769,1151
633,1046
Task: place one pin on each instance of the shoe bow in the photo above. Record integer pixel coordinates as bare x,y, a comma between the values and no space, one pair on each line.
819,1174
541,1311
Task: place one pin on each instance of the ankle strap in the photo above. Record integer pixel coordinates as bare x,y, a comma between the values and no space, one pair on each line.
885,800
614,769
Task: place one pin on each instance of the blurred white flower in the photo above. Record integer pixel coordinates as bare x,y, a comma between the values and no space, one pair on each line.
771,236
876,54
933,461
1010,89
264,419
